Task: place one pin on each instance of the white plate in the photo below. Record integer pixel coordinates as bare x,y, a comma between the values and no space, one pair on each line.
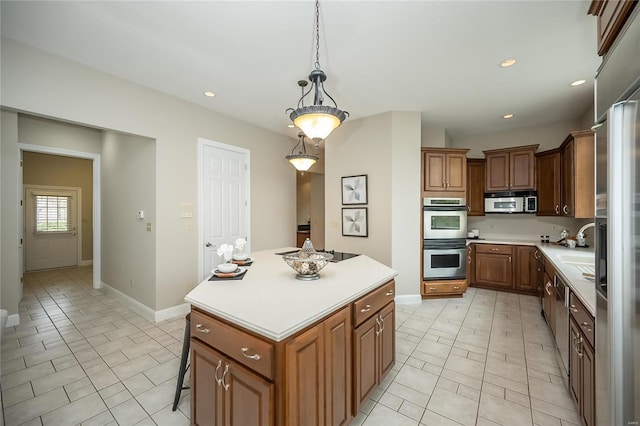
235,273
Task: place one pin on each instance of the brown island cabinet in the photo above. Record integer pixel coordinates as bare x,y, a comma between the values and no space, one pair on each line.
318,374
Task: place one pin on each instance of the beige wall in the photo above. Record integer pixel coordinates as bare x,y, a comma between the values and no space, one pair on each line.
303,197
128,176
317,210
385,147
56,170
434,137
9,271
44,85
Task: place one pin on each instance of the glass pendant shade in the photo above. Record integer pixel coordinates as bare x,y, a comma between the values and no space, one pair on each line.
302,163
317,121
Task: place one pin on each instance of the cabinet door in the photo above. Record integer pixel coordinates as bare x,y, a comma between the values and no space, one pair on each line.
305,378
475,187
433,171
248,398
497,175
575,372
456,172
365,361
548,183
386,339
525,269
588,402
567,185
494,269
550,303
522,170
206,399
338,368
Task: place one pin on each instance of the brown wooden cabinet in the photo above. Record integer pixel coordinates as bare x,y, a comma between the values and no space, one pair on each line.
582,359
525,269
475,186
494,265
503,267
612,15
577,168
241,378
444,288
224,393
548,182
373,353
512,169
549,300
444,172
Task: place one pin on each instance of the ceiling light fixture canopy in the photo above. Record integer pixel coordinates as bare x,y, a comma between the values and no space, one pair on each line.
301,161
317,121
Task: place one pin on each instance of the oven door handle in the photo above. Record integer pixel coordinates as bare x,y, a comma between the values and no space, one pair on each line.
445,208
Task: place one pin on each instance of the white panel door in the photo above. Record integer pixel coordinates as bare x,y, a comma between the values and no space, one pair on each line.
224,201
46,249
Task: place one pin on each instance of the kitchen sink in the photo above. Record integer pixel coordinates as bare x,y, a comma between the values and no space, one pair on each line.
583,263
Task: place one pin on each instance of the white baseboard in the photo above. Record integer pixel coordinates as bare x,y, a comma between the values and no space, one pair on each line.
13,320
85,262
143,310
408,299
173,312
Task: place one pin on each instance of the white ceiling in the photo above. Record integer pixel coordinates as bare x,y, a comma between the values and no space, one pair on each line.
437,57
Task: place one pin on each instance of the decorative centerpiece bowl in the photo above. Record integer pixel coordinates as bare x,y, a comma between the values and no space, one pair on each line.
307,262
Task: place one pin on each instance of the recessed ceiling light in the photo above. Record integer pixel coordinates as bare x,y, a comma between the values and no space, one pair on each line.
507,116
508,62
578,82
291,125
209,94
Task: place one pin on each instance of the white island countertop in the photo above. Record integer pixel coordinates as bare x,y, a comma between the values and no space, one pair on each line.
271,302
582,287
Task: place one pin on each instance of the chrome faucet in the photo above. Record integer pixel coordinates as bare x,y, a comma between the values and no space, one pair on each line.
580,233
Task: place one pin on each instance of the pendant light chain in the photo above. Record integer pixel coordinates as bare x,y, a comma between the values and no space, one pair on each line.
317,35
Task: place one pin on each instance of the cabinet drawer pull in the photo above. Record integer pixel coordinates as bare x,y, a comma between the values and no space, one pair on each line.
381,323
225,385
557,209
432,288
218,381
456,287
379,330
201,329
585,325
389,293
366,308
509,258
547,288
573,309
494,249
254,356
565,209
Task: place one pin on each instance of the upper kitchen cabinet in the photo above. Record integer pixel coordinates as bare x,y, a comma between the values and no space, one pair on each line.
512,169
548,182
444,172
475,186
577,169
611,14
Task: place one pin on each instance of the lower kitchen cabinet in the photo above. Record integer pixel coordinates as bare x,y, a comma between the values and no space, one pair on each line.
444,288
224,393
582,360
549,302
373,353
240,378
503,267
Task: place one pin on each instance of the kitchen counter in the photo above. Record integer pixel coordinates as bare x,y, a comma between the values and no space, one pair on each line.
271,302
582,287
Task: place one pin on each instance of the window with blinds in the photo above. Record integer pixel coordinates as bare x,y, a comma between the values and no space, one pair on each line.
53,213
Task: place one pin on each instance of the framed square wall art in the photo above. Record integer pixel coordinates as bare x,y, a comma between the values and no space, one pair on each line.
355,222
354,190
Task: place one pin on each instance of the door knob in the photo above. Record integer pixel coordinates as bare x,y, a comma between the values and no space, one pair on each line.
210,245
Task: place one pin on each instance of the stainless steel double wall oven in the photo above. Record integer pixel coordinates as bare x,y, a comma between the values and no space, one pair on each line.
444,239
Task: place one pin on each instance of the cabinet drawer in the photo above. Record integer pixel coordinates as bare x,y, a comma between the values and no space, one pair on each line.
549,268
242,347
583,318
494,248
371,303
442,288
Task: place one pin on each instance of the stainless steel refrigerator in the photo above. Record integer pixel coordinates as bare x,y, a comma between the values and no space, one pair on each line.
618,232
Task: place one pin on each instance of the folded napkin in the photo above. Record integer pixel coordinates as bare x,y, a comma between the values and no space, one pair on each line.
246,262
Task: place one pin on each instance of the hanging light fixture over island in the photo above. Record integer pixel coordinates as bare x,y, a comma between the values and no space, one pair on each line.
317,121
301,161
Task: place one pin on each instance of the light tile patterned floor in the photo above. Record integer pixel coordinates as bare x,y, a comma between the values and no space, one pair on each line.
80,357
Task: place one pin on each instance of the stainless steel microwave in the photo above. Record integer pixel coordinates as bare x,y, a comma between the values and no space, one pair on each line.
511,202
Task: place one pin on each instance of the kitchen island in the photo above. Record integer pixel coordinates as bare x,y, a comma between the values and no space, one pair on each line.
271,349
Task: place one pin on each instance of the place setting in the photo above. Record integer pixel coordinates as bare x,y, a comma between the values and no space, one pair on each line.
234,266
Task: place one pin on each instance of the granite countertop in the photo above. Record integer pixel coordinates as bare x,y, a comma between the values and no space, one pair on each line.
270,301
583,288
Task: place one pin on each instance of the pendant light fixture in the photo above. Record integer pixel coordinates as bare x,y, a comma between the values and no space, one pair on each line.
317,121
301,161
